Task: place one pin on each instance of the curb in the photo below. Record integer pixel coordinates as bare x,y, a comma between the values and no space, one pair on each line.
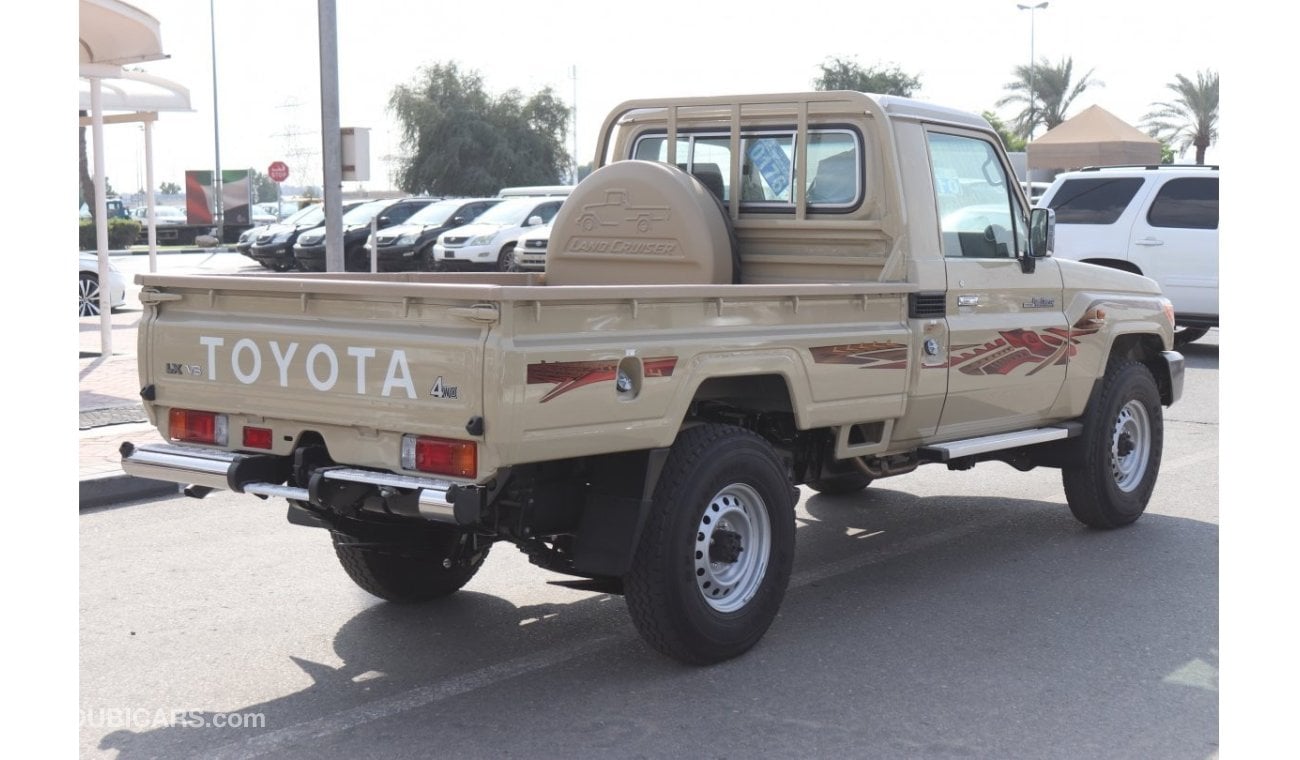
112,490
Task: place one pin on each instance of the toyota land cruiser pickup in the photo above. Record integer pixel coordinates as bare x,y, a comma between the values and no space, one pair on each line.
819,289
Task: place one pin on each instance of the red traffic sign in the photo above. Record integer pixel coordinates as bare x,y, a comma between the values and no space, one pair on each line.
278,171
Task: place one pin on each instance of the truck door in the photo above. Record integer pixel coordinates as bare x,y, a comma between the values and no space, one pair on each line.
1008,338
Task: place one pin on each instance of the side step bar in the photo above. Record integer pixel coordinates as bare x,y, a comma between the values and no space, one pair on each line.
946,452
264,475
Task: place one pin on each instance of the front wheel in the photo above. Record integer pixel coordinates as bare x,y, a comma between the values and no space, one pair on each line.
506,260
407,572
715,557
357,260
1119,451
88,289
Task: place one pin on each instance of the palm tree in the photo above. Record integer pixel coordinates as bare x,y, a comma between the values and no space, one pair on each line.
1046,92
1192,118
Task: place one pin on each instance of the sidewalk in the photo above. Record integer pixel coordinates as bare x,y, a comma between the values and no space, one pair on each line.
111,412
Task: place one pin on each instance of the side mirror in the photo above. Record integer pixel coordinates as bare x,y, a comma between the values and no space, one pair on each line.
533,221
1042,232
458,221
384,220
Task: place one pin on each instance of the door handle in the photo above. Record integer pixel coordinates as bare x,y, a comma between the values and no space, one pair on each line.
1148,241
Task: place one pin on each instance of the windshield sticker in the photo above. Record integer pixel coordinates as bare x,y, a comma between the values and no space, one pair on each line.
772,163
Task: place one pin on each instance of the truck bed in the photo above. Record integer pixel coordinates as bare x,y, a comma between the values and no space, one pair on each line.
363,359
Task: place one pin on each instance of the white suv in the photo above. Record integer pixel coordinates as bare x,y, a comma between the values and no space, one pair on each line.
489,242
1158,221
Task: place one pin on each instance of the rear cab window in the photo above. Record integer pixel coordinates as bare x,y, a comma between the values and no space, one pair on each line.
835,182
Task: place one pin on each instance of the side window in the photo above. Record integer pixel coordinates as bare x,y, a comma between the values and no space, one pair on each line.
975,202
546,211
1189,203
397,214
1093,200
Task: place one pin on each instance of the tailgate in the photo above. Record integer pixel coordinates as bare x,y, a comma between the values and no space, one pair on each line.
359,369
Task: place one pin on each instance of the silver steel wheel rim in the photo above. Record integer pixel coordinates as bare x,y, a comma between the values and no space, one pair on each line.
735,516
1130,446
89,291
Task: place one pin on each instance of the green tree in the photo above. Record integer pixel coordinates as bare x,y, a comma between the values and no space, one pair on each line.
87,184
842,74
262,187
1012,142
1053,91
459,140
169,188
1191,119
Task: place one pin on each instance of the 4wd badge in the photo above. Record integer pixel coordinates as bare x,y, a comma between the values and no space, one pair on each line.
442,390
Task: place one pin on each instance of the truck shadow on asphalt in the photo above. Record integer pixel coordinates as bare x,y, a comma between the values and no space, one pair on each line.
1201,355
913,626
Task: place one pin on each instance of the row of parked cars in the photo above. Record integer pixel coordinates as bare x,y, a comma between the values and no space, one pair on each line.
410,234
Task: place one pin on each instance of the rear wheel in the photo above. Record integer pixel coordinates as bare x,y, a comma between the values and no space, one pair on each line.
409,572
1119,450
715,557
88,290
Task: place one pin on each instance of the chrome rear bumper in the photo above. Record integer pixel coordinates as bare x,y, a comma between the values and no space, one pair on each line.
265,475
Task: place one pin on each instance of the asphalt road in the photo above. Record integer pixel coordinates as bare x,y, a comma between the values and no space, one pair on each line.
936,615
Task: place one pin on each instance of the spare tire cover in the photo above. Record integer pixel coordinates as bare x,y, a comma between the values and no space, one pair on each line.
639,223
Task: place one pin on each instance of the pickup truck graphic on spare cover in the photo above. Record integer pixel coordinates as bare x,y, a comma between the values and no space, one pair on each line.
615,210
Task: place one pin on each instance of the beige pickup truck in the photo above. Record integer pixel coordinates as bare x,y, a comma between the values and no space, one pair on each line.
748,294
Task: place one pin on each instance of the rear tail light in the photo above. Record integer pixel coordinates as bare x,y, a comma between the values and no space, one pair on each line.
194,426
441,456
257,438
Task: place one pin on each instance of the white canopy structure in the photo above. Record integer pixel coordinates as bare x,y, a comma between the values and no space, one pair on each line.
114,34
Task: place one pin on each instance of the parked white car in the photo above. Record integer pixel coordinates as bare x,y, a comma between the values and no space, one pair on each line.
1158,221
530,250
88,285
489,242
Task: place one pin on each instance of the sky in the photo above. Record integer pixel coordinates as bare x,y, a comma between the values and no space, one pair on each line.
268,77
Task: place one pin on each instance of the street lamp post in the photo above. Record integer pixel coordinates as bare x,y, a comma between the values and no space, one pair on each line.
1031,9
217,186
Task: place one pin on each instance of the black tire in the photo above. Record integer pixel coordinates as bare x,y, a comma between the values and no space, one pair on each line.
356,260
88,290
1118,454
406,573
506,259
424,260
282,266
834,485
1185,335
723,492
